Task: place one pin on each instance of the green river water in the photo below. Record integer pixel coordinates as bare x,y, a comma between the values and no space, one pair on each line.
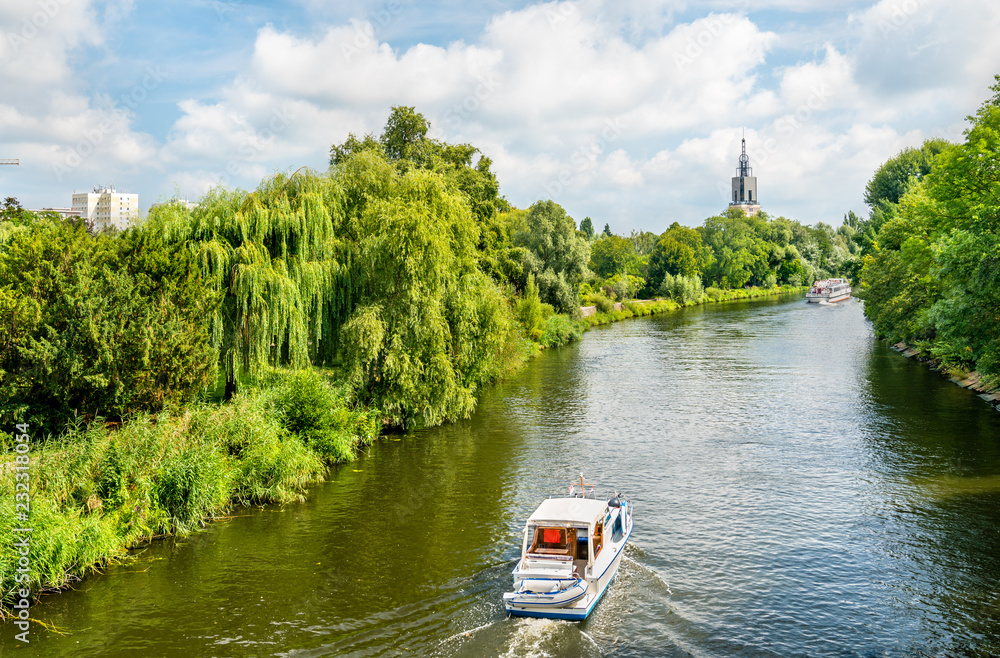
799,490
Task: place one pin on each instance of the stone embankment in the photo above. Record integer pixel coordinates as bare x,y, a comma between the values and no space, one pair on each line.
970,380
592,310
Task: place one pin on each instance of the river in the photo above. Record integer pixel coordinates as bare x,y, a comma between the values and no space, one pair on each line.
799,490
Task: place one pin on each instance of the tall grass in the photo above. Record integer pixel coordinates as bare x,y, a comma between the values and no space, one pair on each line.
95,492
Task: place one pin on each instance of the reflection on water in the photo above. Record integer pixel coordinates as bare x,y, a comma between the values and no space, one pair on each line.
799,490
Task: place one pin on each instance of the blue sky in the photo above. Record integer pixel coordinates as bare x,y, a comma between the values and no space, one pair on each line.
629,112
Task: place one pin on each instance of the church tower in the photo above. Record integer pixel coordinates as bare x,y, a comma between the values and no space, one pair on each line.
745,186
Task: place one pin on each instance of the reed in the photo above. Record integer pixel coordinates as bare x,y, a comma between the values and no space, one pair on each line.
97,492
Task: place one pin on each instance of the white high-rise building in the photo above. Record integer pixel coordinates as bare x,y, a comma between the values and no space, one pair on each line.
105,207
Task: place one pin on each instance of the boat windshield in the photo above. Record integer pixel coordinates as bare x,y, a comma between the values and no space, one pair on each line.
552,541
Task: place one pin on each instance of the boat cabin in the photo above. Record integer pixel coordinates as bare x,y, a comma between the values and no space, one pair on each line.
569,530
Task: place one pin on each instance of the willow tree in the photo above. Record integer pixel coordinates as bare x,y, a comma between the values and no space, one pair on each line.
283,273
430,328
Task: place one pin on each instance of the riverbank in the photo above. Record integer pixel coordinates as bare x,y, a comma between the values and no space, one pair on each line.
98,492
970,379
641,308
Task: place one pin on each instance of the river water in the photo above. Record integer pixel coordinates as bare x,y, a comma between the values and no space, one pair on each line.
799,490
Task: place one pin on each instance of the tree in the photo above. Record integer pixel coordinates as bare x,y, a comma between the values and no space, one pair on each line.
680,250
607,231
405,144
529,306
428,329
587,228
554,253
405,134
609,255
890,180
14,213
644,242
99,325
340,152
282,269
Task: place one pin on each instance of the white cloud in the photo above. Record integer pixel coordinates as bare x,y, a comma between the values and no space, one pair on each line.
619,111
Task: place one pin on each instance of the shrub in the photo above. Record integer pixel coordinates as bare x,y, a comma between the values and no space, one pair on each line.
319,414
682,289
556,290
560,329
603,304
529,308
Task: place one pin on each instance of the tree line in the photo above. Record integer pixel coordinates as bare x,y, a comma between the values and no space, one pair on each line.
402,267
931,251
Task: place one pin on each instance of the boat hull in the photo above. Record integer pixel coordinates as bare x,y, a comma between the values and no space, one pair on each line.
830,300
580,608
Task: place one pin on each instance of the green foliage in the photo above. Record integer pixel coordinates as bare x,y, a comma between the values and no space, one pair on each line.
99,325
892,179
587,228
930,274
429,329
529,308
13,213
625,286
601,301
560,329
610,254
684,290
680,250
404,143
554,253
644,242
321,414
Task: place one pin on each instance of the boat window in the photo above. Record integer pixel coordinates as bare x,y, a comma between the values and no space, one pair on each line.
617,532
598,538
552,541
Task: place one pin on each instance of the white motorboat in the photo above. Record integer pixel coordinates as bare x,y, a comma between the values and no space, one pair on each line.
829,290
570,553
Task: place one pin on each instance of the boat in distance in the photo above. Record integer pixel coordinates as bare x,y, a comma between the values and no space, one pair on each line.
829,290
571,550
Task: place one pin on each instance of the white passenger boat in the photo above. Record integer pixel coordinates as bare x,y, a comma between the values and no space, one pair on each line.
829,290
570,553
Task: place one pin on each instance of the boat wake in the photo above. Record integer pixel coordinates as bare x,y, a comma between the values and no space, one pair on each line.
656,577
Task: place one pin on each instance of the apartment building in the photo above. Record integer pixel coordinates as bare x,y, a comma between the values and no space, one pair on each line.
106,207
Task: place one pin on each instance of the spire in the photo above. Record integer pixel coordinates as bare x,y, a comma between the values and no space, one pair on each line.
744,169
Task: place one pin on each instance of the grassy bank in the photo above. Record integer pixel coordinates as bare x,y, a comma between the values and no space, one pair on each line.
98,491
643,308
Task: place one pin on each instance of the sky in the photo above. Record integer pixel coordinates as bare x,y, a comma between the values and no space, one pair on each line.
630,112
